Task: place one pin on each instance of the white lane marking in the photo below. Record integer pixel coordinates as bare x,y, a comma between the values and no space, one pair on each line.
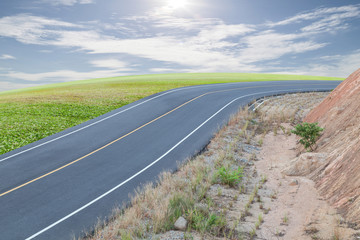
151,164
94,123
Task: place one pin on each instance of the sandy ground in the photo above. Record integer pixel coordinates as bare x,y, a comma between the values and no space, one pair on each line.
298,211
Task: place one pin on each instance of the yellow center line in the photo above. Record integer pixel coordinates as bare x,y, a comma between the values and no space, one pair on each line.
116,140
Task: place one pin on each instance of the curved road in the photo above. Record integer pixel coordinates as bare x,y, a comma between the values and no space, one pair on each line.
61,185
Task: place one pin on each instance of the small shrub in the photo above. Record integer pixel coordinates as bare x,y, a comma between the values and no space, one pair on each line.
309,133
230,177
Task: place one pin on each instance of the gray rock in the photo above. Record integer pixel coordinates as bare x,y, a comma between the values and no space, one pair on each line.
181,224
305,164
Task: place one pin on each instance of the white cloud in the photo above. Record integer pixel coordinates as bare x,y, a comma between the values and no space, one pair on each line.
333,22
270,45
30,29
324,19
7,57
111,63
337,65
67,2
62,75
195,44
332,66
338,12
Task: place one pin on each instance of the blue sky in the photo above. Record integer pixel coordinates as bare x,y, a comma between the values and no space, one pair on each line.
50,41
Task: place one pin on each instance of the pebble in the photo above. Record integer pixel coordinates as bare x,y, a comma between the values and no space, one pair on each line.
294,182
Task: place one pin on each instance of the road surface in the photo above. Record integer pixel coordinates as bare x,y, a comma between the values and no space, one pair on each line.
60,186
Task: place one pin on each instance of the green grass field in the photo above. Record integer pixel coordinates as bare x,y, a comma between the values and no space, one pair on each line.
28,115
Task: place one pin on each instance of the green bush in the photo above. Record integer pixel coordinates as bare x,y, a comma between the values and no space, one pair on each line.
230,177
309,133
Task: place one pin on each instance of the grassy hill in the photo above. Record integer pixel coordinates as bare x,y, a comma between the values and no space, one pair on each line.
28,115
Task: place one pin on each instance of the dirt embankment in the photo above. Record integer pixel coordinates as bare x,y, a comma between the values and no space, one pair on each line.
337,179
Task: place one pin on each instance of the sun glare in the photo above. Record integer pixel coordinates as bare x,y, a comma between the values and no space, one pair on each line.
177,3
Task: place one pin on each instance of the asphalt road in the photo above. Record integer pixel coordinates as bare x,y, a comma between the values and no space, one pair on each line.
60,186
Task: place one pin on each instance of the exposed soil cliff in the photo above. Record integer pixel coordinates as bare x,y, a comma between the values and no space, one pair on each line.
338,179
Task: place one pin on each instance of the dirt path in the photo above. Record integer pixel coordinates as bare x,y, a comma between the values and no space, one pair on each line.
298,211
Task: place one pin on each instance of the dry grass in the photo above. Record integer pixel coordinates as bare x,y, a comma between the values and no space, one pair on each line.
150,212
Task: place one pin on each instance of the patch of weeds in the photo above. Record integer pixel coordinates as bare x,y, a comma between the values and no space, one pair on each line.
236,197
279,233
245,126
251,198
139,232
230,156
285,219
260,218
209,202
275,130
256,190
288,132
178,206
232,231
242,189
242,216
228,176
203,222
252,233
188,236
257,225
263,179
283,129
314,237
267,210
259,221
202,191
125,235
219,191
247,210
219,160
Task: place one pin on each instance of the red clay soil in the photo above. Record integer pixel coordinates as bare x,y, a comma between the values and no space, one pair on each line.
338,180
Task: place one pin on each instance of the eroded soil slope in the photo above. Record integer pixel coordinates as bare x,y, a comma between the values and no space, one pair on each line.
338,180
